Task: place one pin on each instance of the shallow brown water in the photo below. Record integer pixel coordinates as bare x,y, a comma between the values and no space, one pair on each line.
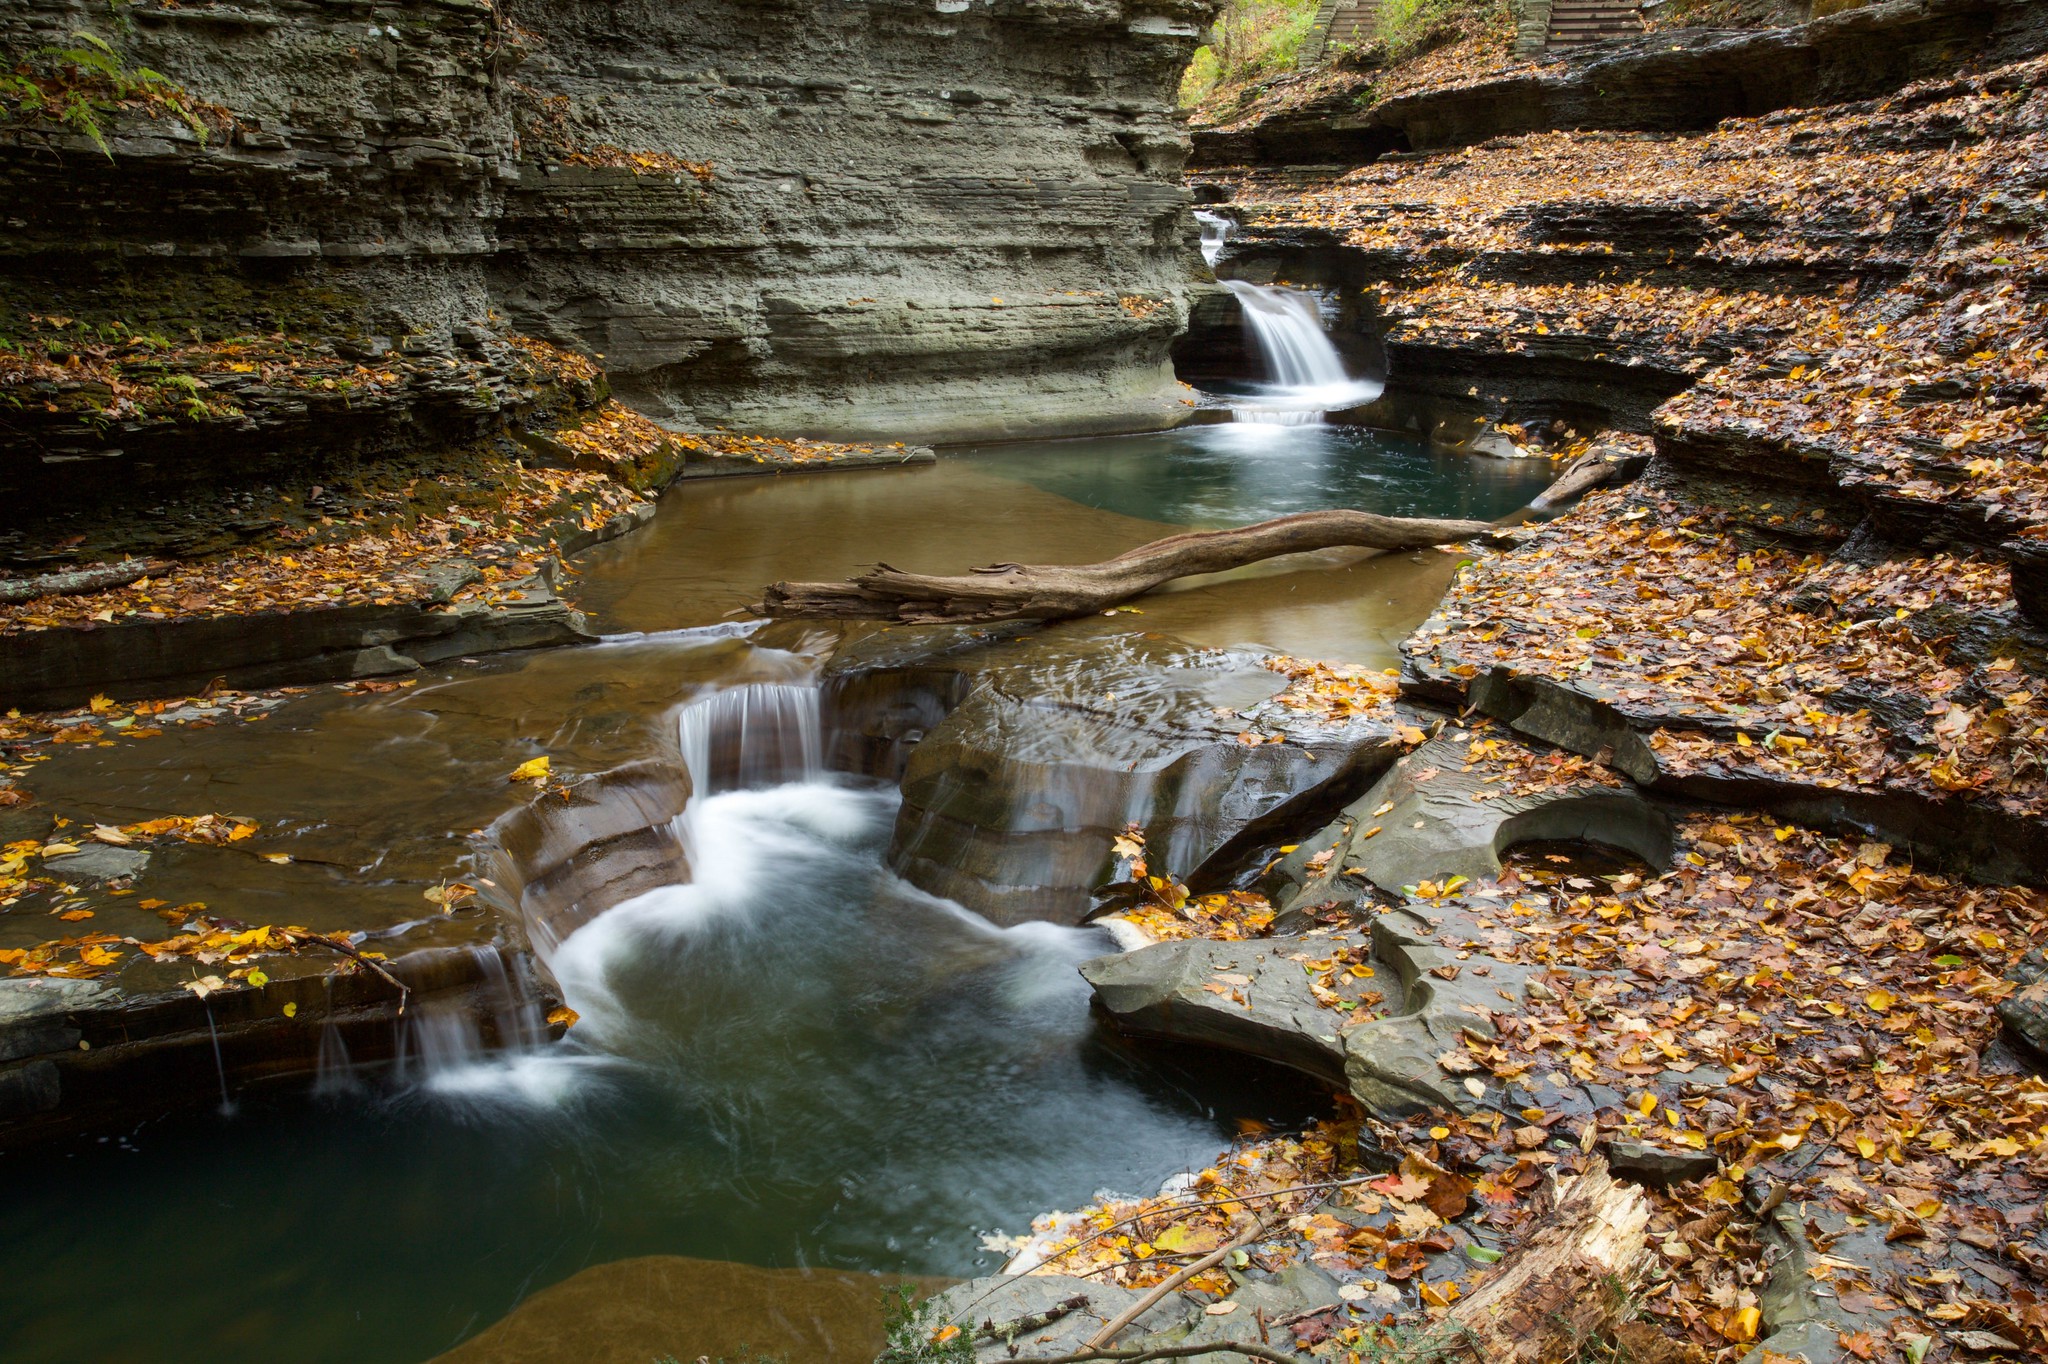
671,1306
718,542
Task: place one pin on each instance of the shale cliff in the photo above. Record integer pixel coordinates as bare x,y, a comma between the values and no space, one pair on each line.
946,219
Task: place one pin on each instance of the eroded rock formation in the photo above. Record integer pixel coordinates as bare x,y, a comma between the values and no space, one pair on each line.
955,218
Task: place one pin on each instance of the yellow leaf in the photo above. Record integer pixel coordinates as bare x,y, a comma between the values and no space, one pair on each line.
258,979
291,1011
534,769
1880,1000
1867,1148
100,705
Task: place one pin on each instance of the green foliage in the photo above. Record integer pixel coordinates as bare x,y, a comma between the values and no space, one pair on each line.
1251,40
913,1333
1412,27
81,85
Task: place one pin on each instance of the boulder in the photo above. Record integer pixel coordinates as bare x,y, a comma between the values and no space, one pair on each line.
1250,997
1659,1166
1024,755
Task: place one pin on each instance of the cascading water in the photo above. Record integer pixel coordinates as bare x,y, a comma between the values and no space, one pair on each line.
1308,376
1215,232
760,734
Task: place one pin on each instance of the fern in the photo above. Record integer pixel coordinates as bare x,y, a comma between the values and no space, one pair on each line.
79,85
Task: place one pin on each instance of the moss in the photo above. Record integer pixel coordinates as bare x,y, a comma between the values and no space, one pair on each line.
163,302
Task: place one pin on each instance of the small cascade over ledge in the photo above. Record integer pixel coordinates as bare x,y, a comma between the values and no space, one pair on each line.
1307,375
758,734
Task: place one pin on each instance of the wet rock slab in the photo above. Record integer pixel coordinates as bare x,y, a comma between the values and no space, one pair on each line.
1023,754
63,667
77,1053
1436,815
1251,997
1001,1299
570,854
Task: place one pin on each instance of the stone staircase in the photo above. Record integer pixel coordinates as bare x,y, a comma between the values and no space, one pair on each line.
1338,23
1589,21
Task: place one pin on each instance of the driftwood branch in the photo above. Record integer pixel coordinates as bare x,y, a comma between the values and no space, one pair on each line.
71,583
1598,468
1058,591
1173,1281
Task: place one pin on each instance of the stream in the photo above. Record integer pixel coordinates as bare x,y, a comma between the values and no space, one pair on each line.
797,1060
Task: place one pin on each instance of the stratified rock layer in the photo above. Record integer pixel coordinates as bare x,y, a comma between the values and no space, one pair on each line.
954,219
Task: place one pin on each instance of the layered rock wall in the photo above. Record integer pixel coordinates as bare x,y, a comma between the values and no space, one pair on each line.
946,219
1672,81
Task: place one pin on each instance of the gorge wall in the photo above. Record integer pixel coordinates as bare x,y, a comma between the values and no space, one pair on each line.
941,220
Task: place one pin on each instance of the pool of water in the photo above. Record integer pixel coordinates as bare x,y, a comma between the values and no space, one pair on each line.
1237,472
797,1060
718,542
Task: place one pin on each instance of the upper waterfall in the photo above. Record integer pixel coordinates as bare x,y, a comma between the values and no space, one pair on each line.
1307,374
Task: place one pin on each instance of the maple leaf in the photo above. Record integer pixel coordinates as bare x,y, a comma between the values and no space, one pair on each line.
1416,1220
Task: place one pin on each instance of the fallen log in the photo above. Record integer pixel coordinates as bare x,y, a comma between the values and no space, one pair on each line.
1598,468
77,581
1567,1284
1058,591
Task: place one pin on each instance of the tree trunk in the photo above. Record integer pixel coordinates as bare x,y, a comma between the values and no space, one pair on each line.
1566,1284
1058,591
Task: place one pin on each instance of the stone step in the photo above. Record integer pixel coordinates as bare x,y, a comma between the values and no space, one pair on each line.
1588,21
1342,23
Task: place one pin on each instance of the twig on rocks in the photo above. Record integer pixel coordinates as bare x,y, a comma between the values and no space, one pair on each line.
377,967
75,582
1175,1280
1139,1354
1035,1321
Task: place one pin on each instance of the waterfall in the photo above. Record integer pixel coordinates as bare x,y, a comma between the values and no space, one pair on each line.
490,1049
762,734
1308,377
1288,325
1215,231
